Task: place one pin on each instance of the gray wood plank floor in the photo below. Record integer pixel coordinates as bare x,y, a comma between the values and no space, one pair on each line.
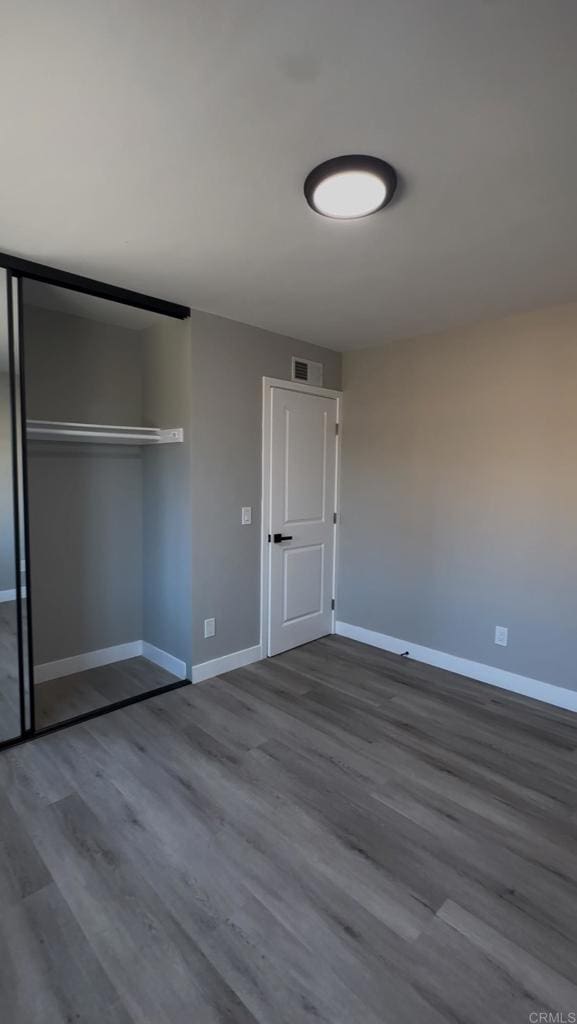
57,700
335,835
9,678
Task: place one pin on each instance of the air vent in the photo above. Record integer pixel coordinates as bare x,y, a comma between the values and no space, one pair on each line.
308,372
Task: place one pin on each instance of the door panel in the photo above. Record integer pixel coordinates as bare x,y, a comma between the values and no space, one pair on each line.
305,432
302,502
303,581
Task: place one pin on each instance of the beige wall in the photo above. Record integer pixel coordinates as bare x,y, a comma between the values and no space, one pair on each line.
459,492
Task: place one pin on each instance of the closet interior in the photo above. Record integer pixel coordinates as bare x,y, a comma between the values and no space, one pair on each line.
95,505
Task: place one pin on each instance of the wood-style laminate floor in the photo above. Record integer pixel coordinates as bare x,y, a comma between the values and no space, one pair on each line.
56,700
336,836
9,678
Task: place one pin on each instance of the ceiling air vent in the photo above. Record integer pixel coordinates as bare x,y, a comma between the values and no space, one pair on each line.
307,372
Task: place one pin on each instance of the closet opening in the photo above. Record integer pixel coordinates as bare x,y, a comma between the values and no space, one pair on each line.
95,501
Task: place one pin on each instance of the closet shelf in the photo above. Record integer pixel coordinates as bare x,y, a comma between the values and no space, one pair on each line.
97,433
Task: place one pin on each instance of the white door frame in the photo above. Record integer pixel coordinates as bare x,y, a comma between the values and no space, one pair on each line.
268,383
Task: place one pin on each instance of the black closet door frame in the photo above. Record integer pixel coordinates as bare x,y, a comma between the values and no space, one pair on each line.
76,283
17,270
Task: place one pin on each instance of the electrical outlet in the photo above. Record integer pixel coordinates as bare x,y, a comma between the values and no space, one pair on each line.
246,515
501,636
209,628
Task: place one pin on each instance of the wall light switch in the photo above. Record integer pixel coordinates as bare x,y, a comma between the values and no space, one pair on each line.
501,636
246,515
209,628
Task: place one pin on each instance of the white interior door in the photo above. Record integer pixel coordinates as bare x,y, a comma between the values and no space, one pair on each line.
302,503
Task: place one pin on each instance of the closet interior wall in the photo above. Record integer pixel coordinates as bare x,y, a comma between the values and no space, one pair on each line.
85,501
167,492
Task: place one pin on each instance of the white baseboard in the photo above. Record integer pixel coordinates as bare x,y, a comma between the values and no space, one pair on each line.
534,688
90,659
108,656
7,595
165,660
216,667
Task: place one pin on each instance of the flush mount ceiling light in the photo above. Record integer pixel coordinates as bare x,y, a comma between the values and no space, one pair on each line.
349,187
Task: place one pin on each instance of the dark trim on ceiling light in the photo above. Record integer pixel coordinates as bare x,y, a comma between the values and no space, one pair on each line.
89,286
352,162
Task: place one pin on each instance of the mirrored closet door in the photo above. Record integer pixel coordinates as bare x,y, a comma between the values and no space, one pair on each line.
95,498
15,705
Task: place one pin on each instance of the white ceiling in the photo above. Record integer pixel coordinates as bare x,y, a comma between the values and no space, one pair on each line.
163,146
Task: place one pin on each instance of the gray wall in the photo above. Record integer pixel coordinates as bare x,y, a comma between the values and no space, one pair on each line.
7,580
85,508
459,492
167,537
85,518
229,360
81,370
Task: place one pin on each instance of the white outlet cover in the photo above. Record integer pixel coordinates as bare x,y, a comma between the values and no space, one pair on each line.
501,635
209,628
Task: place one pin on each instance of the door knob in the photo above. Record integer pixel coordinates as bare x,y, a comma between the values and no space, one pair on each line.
278,538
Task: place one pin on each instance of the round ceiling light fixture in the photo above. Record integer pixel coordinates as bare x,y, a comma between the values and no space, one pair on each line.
349,187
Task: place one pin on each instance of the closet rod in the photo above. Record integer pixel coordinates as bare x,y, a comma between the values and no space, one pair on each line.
96,433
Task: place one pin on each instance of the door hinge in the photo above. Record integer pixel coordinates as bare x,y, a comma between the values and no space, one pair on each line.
333,604
336,429
335,517
269,538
